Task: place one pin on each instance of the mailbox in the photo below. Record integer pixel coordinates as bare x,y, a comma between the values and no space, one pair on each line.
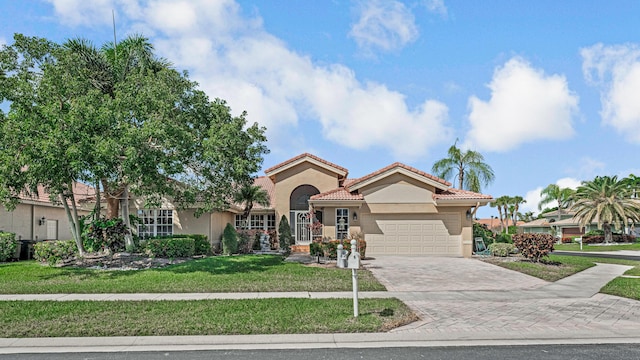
353,262
341,257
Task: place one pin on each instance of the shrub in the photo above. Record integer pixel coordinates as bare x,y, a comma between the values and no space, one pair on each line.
8,246
52,252
567,240
502,249
504,238
534,246
598,239
331,247
594,232
316,249
284,235
246,239
202,244
481,230
229,240
103,234
170,247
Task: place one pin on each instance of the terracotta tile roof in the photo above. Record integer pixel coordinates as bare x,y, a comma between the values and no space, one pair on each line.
454,194
337,194
268,186
301,156
82,193
403,166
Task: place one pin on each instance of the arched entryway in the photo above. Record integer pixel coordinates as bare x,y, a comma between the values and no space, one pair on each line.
299,215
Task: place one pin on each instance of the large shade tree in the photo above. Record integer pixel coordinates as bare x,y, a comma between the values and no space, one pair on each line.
78,115
607,201
468,167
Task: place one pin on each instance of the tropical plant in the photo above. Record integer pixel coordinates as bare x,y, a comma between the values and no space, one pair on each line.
502,204
467,166
554,193
534,246
608,202
516,201
249,195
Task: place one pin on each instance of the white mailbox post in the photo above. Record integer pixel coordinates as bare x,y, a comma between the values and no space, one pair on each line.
353,263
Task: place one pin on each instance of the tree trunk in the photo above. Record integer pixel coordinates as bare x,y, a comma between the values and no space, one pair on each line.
608,235
113,200
74,225
97,210
128,239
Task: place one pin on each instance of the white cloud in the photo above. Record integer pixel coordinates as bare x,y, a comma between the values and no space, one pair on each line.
526,105
89,13
383,25
616,71
436,7
234,58
533,197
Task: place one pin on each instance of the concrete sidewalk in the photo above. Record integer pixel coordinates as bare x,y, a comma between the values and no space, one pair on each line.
487,306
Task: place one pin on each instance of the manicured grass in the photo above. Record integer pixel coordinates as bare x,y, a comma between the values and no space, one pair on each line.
587,247
264,273
203,317
568,265
624,287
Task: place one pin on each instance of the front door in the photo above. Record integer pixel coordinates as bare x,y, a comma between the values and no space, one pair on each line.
300,221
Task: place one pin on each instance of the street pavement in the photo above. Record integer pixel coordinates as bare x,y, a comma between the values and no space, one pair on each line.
461,302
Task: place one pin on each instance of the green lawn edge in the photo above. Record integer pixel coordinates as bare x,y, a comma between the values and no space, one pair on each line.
20,319
217,274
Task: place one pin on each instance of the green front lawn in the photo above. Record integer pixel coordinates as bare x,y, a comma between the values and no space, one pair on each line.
569,265
202,317
264,273
587,247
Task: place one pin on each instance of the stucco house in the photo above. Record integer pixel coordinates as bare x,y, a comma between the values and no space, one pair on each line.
398,209
558,222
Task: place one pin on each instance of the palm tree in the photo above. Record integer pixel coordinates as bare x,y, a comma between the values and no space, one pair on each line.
516,201
607,201
555,193
467,166
249,195
502,203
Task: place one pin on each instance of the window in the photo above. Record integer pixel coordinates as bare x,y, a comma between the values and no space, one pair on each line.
155,223
261,221
257,222
271,221
342,223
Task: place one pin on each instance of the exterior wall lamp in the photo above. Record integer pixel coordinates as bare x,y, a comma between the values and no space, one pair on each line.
42,221
469,214
355,216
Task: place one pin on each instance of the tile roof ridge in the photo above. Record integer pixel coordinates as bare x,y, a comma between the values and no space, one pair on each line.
303,155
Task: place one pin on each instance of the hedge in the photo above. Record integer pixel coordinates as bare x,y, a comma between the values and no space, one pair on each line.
534,246
170,247
330,247
597,239
8,246
52,252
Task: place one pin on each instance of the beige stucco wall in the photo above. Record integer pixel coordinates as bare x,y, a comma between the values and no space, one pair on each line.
303,174
185,221
23,221
329,220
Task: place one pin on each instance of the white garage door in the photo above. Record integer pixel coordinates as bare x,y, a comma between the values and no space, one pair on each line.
413,237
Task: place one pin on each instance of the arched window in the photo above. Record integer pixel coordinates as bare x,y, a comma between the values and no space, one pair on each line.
299,199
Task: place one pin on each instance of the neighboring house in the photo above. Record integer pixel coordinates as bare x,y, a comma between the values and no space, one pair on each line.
494,224
36,218
562,226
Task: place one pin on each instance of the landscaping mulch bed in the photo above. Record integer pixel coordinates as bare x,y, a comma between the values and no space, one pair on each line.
121,261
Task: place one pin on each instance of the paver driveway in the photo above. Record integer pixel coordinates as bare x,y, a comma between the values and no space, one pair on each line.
467,298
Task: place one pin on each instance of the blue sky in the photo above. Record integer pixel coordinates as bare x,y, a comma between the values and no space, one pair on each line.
548,91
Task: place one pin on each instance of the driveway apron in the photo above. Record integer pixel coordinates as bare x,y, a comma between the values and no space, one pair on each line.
460,298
